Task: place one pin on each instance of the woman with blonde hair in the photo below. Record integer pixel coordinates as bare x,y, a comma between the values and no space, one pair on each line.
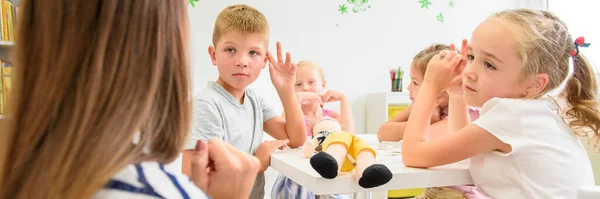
102,102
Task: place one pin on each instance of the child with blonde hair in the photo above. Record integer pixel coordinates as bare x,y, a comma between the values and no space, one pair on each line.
393,129
228,110
310,92
524,144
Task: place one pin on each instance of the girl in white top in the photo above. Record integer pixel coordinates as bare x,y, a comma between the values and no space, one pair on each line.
91,75
525,143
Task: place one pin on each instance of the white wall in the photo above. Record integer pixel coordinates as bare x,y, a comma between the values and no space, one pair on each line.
355,49
581,16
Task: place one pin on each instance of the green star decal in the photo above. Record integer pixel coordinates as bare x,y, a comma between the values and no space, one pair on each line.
342,8
452,3
440,17
192,2
425,3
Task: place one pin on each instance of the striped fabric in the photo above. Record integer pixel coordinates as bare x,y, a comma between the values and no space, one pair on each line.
149,180
285,188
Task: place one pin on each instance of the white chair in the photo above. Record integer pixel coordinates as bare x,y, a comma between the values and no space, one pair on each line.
588,192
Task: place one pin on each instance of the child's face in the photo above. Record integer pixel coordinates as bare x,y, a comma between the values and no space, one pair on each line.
308,79
493,69
416,78
239,58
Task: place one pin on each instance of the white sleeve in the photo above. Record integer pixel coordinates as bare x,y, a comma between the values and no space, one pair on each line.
502,119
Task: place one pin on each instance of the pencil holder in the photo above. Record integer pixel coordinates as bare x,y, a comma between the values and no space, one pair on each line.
397,85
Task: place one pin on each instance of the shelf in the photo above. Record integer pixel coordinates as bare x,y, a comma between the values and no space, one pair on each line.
377,107
6,45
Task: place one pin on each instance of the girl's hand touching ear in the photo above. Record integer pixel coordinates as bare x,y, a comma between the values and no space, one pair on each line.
456,83
441,70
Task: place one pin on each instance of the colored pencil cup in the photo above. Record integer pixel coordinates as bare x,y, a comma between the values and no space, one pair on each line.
397,85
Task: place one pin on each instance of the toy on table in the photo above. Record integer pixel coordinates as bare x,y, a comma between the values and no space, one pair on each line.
346,148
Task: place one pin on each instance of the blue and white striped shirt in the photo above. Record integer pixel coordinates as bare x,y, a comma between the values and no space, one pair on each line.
149,180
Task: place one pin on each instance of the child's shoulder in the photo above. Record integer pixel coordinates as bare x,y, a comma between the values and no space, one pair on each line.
520,106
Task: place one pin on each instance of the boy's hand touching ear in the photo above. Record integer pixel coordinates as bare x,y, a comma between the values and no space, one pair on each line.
264,151
283,74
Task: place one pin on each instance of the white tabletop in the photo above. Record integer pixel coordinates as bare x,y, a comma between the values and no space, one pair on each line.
289,162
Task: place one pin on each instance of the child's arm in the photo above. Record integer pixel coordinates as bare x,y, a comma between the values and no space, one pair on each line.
393,129
283,77
417,151
207,124
458,113
345,117
293,127
457,108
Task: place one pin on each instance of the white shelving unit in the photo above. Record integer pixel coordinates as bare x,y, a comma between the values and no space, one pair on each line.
377,107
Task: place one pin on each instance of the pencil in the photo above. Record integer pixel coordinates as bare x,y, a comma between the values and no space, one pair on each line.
351,159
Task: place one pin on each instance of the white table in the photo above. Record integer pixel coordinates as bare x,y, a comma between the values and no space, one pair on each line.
289,162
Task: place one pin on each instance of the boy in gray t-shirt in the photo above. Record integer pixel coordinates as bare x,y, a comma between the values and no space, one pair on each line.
228,110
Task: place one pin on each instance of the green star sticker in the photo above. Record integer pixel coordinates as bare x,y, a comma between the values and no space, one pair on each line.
425,3
342,8
192,2
440,18
452,3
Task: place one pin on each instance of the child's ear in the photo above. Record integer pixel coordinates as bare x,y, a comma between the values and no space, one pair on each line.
537,84
266,59
212,54
324,83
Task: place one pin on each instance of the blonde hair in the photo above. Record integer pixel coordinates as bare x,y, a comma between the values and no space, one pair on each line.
241,19
86,84
422,58
313,65
545,48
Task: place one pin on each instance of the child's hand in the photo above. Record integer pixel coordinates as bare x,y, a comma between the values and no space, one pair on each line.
332,96
456,88
308,98
283,74
264,151
442,70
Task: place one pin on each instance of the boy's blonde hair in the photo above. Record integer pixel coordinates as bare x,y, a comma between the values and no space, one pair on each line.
545,47
312,65
422,58
241,19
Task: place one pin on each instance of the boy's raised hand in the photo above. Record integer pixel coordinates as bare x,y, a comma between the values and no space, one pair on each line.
456,83
283,73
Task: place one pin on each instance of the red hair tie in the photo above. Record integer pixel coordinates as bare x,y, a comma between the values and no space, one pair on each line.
579,42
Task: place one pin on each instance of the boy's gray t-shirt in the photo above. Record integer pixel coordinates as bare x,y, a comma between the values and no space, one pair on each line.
217,114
